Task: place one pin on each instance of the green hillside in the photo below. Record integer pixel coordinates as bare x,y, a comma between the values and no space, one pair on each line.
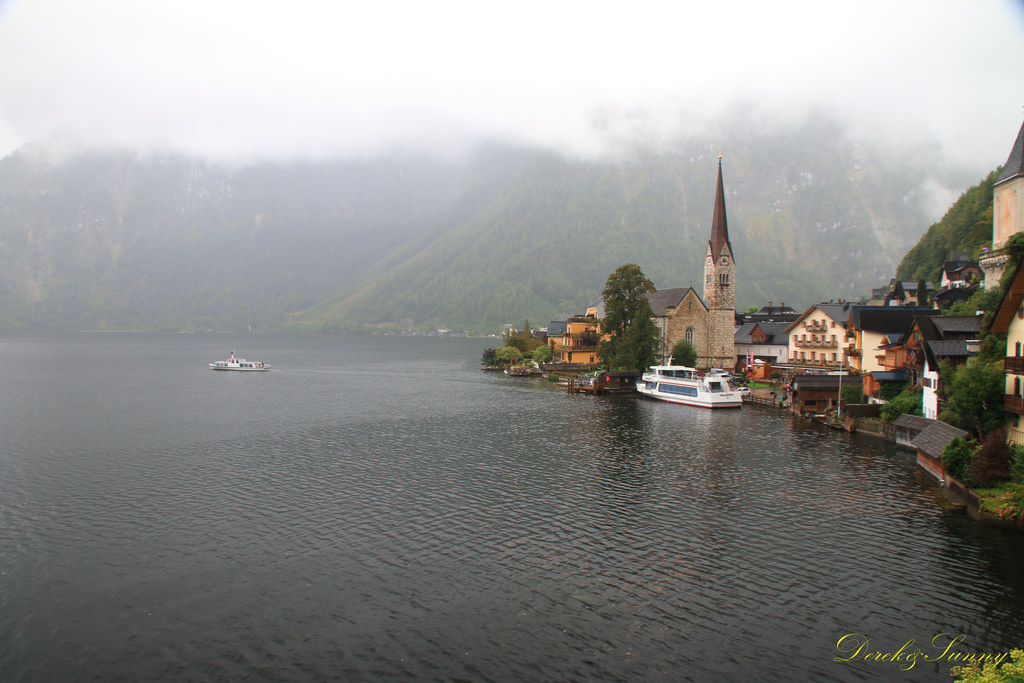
966,227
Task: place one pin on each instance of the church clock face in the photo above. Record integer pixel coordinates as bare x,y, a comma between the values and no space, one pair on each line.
725,261
711,261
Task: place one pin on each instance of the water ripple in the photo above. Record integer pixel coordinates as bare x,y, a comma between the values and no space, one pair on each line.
472,528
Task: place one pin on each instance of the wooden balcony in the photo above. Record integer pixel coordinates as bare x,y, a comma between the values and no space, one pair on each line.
1014,364
815,343
1014,404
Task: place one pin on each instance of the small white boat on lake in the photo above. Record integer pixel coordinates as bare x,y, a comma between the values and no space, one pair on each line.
681,384
240,364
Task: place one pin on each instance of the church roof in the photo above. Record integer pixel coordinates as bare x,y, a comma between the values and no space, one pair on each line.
663,299
1014,166
719,224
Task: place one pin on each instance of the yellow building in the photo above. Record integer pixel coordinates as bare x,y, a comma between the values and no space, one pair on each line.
1009,320
575,340
817,337
1007,211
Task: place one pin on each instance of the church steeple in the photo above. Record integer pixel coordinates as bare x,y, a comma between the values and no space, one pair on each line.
719,224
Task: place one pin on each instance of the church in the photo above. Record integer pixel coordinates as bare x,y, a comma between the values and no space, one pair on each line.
707,321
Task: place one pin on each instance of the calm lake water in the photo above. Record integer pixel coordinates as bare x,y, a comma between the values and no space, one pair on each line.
381,509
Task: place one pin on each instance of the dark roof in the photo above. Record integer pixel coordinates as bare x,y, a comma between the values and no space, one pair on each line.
965,326
915,422
957,266
804,382
947,297
950,348
719,224
889,375
887,319
663,299
775,331
556,327
1014,165
840,313
770,310
947,327
934,438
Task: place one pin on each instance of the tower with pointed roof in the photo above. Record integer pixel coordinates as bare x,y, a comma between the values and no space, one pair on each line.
1007,211
719,287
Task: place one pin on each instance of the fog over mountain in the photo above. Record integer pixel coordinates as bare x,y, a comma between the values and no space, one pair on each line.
103,240
368,166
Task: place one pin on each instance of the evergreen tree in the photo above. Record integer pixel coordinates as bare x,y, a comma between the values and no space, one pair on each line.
683,353
634,336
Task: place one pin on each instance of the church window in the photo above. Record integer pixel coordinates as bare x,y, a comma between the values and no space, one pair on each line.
723,278
689,335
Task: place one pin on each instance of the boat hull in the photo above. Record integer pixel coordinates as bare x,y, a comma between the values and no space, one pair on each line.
687,386
235,364
728,399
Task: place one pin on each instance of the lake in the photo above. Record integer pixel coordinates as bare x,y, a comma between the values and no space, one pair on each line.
379,508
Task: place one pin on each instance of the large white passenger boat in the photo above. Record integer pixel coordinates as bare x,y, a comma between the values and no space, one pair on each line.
680,384
233,363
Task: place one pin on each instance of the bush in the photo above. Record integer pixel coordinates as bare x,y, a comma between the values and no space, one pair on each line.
1017,468
990,464
955,459
507,354
908,402
852,393
1010,670
1010,505
890,390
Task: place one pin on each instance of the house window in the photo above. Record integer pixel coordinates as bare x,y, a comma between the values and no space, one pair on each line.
1018,348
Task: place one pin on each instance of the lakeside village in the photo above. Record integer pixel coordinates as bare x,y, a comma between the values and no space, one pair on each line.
939,370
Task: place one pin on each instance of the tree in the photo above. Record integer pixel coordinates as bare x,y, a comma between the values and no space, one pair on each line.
541,354
974,397
852,393
523,339
634,336
906,401
683,353
956,457
990,464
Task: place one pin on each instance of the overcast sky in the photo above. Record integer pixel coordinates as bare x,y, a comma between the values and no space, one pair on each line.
235,78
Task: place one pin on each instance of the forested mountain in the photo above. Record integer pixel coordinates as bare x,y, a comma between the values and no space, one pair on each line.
124,241
966,227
